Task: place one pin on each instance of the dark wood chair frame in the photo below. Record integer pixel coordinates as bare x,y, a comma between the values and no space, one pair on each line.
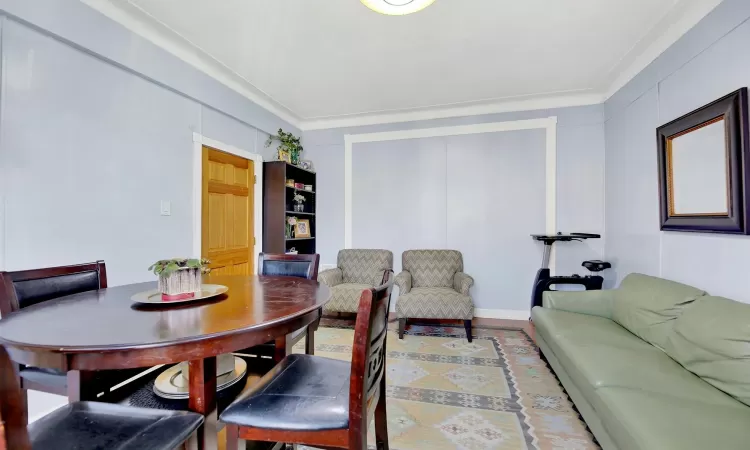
283,345
368,374
81,385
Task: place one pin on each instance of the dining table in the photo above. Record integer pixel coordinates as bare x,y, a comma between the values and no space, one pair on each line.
106,329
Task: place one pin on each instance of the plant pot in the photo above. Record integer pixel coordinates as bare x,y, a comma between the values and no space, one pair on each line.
180,284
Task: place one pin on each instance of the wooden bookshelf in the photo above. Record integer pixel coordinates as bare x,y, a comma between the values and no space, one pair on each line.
278,205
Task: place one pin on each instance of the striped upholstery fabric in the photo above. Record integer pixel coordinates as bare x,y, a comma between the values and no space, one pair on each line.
432,268
358,269
433,286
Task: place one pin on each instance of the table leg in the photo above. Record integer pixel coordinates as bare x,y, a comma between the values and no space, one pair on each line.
202,393
81,386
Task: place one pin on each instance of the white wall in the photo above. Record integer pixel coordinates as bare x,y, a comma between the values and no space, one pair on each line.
96,129
704,65
580,181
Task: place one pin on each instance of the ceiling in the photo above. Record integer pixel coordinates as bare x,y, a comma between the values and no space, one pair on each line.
319,62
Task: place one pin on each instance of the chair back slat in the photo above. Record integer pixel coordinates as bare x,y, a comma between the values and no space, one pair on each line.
13,433
301,266
29,287
368,357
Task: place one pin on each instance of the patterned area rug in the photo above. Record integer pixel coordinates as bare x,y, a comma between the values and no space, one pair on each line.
444,393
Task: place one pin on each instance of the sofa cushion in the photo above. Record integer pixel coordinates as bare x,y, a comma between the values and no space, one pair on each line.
712,339
644,420
432,268
345,297
597,352
647,306
364,266
434,303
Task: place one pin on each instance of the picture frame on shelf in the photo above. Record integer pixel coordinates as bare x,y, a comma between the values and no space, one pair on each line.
285,156
302,229
306,164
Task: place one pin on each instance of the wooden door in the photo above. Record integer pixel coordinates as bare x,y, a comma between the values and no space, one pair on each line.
227,213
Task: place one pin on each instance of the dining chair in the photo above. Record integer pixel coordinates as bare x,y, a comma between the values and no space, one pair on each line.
21,289
300,266
87,425
322,402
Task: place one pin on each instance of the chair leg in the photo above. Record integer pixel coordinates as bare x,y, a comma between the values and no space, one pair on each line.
233,437
25,406
310,341
401,326
381,419
467,326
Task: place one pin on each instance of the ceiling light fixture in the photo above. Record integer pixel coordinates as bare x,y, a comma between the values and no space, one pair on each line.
397,7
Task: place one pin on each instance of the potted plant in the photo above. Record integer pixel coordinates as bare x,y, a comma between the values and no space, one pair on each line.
299,202
288,143
179,278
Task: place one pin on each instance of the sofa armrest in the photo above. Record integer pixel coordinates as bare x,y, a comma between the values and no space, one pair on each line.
403,281
593,303
331,277
462,282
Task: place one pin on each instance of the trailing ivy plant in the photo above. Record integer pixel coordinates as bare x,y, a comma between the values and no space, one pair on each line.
288,143
166,267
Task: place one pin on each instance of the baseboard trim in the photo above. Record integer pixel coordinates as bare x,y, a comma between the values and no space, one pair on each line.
509,314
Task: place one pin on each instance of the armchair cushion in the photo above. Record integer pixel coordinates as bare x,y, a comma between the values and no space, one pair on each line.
331,277
403,281
432,268
361,265
462,283
434,303
345,297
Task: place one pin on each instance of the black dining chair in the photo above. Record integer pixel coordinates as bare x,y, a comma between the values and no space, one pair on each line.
300,266
322,402
87,425
21,289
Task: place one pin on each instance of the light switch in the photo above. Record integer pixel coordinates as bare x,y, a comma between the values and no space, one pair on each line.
166,208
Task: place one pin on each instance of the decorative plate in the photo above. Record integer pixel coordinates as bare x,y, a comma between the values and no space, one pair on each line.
172,385
153,297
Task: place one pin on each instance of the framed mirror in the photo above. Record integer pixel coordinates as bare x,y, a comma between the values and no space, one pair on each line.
703,165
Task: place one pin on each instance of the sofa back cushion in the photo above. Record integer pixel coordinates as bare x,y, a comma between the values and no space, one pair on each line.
364,266
647,306
432,268
712,339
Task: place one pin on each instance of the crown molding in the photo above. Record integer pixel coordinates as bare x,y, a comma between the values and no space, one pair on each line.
146,26
683,16
459,110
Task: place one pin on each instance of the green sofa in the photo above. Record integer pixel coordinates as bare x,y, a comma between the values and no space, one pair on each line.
652,365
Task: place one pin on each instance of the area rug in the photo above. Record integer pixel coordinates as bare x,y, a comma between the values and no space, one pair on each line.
447,393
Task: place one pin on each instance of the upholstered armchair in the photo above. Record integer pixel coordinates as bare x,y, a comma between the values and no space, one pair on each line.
357,270
434,286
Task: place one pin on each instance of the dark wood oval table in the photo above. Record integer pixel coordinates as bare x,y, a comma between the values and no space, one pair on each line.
105,329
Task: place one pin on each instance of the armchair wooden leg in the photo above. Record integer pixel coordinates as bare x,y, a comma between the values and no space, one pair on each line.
467,326
381,420
401,326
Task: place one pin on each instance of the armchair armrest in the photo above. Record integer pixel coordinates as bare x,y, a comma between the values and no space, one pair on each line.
462,282
593,303
331,277
403,281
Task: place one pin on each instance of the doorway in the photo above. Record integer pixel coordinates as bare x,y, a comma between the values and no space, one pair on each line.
227,212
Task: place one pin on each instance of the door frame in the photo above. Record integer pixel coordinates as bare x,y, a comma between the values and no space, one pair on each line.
198,142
